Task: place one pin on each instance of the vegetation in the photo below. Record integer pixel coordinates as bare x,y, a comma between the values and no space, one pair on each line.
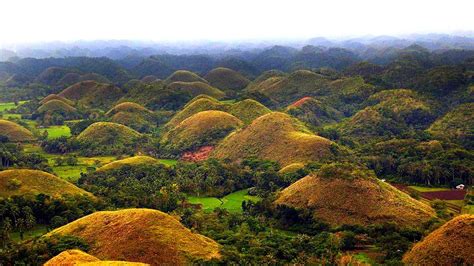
136,160
196,88
226,79
14,132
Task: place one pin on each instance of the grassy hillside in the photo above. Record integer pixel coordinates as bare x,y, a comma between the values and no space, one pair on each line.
451,244
200,129
184,76
56,97
248,110
141,235
275,136
15,132
346,194
196,88
456,125
313,112
32,182
56,106
196,106
103,135
127,107
93,94
136,160
226,79
78,257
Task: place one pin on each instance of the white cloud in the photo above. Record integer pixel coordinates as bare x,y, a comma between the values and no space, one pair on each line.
67,20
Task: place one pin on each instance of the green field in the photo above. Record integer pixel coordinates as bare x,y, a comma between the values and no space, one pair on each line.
57,131
168,162
36,231
10,105
231,202
428,189
11,116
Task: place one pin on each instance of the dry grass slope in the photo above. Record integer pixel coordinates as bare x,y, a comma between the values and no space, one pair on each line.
107,133
92,93
184,76
226,79
56,106
248,110
15,132
32,182
132,161
77,257
140,235
451,244
56,97
291,168
275,136
196,88
203,128
127,107
339,194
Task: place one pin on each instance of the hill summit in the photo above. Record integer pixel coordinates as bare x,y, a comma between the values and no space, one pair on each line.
140,235
342,193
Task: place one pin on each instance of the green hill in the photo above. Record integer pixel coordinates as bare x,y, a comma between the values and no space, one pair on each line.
184,76
92,93
275,136
313,112
197,88
226,79
103,135
456,125
56,97
248,110
201,129
56,106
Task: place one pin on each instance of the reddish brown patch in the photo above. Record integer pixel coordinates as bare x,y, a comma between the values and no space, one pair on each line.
300,101
445,195
197,155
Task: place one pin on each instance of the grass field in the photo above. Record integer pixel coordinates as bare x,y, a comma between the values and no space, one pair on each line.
11,116
36,231
231,202
168,162
57,131
428,189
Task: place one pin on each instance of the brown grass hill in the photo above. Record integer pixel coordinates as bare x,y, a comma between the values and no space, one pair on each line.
55,97
130,107
253,85
52,75
149,79
137,121
56,106
92,94
95,77
201,129
74,257
108,134
194,107
291,168
140,235
342,193
196,88
226,79
15,132
313,112
184,76
20,182
248,110
278,137
132,161
451,244
457,125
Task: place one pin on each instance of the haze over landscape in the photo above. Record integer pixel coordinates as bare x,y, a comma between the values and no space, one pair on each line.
236,132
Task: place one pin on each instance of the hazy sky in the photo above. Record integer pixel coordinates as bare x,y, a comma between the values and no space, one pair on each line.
67,20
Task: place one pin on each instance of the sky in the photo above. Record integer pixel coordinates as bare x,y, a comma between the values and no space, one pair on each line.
29,21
